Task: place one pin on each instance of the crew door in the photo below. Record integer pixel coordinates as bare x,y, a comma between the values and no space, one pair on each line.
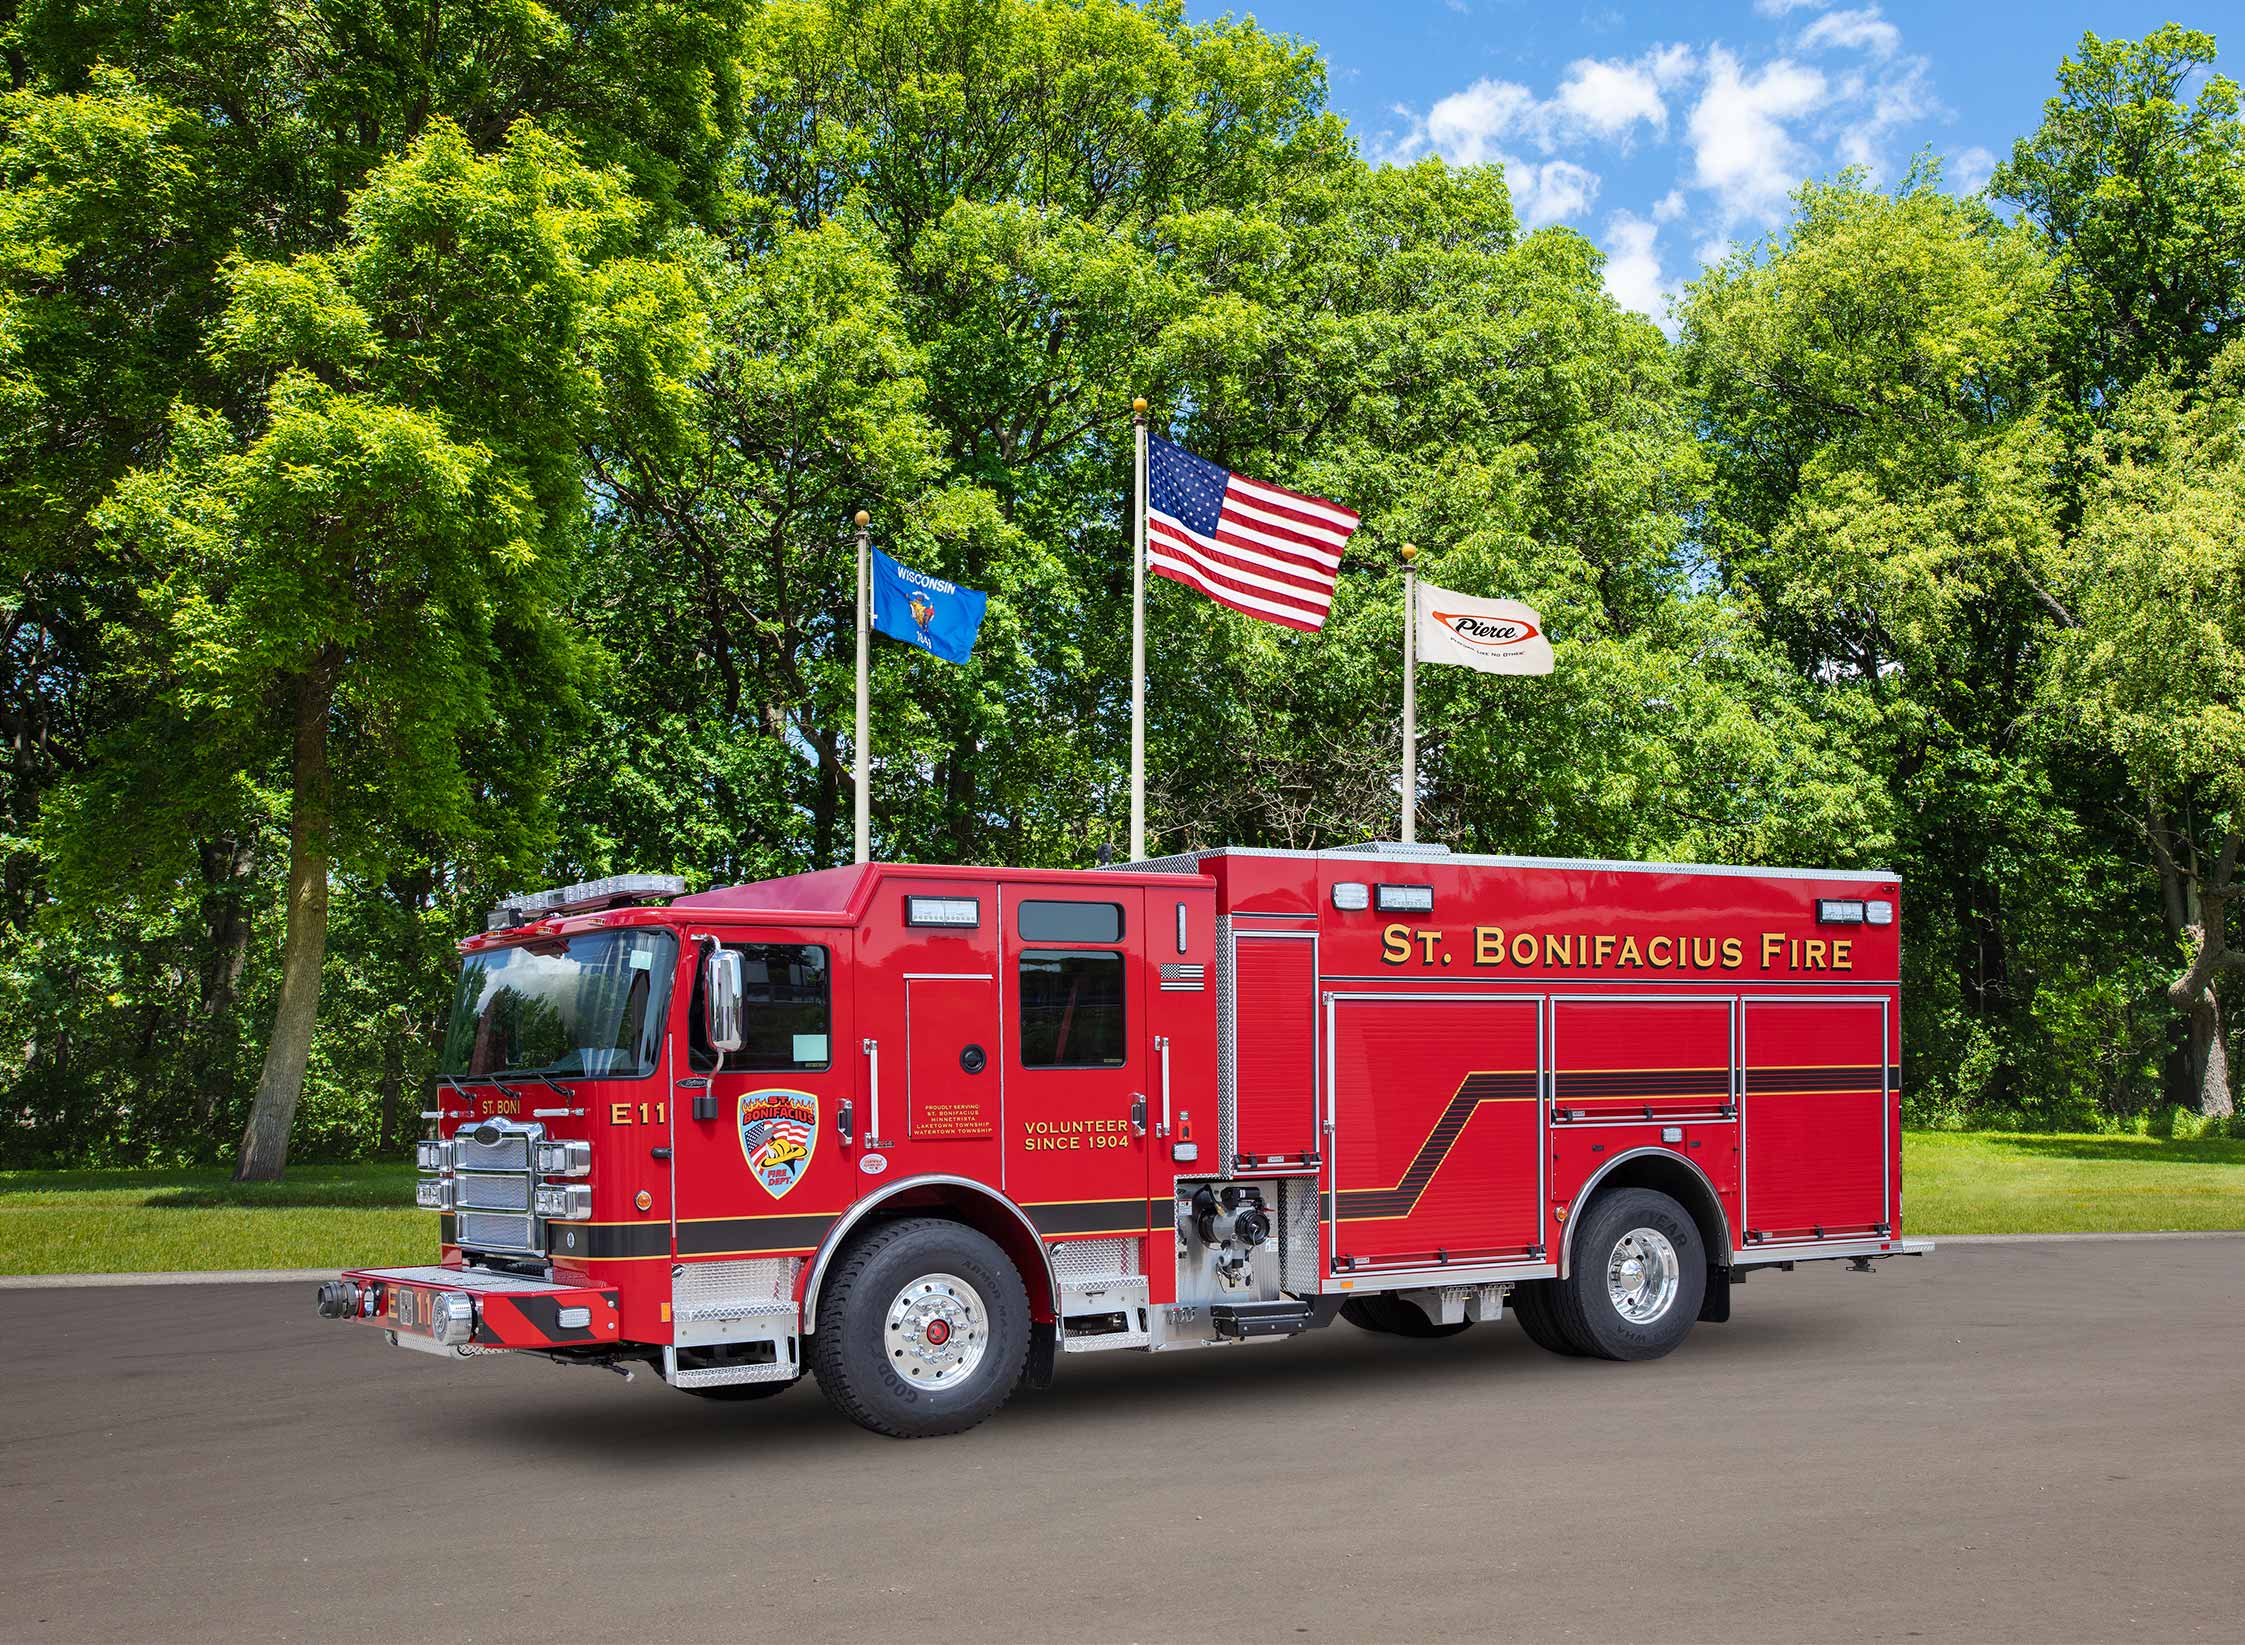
758,1167
1079,1058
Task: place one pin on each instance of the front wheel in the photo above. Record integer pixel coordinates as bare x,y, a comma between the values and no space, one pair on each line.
1638,1277
923,1329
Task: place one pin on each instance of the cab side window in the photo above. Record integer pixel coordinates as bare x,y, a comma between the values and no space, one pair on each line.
786,1010
1072,1009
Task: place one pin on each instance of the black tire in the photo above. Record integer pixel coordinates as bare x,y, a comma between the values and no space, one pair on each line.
849,1351
1360,1312
736,1393
1583,1304
1532,1307
1385,1312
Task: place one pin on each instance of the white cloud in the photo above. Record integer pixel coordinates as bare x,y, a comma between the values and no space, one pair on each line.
1633,267
1466,126
1902,94
1970,170
1781,8
1742,147
1669,206
1610,98
1863,30
1551,192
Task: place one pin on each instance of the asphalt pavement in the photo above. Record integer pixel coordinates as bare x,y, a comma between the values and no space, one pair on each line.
2035,1442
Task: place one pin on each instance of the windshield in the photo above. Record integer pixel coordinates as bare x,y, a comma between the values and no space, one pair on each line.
590,1006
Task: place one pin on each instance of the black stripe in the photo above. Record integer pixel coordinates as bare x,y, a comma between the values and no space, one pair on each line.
1398,1201
699,1239
1859,1077
1093,1216
1592,1084
592,1241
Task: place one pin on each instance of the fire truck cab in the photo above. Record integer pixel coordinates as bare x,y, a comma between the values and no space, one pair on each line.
922,1130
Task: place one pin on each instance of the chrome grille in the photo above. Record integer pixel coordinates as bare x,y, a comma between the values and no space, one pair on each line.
508,1193
485,1231
511,1152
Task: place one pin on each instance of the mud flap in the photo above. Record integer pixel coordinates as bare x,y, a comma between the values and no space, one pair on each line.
1715,1307
1044,1341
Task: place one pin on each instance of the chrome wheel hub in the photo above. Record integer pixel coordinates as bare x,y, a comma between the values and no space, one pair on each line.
1642,1275
937,1331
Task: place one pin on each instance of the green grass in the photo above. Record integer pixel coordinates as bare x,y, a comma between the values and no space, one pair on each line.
322,1216
1974,1182
343,1216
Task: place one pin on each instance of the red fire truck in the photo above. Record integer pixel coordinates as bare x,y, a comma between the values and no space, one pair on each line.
921,1131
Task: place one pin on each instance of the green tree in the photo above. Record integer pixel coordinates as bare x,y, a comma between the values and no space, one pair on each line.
362,579
2152,666
2141,197
1872,394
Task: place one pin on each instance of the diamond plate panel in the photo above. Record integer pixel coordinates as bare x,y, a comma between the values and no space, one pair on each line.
725,1290
1298,1236
1080,1259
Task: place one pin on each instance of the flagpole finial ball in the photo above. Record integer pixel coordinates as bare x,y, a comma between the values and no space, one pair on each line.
1409,551
1139,406
863,519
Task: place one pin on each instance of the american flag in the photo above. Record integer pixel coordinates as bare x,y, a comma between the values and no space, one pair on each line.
1257,548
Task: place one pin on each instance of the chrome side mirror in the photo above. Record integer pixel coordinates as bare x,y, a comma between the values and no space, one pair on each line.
722,987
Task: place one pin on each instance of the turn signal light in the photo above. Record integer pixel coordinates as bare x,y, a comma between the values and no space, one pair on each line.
565,1159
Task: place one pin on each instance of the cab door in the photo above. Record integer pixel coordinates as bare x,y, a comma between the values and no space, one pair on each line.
1079,1053
759,1168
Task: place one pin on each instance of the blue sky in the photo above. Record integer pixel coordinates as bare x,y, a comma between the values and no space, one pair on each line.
1667,133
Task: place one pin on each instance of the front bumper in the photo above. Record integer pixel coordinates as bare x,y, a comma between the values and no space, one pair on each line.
460,1310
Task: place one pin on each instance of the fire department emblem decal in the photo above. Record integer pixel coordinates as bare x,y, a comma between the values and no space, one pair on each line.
779,1133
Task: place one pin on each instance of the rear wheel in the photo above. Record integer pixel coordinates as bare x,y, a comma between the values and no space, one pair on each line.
923,1329
1639,1275
1385,1312
1532,1306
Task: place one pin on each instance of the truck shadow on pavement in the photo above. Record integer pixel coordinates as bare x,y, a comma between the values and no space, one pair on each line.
648,1425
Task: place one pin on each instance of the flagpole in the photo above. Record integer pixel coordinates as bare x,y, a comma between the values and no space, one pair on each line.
864,694
1410,697
1138,637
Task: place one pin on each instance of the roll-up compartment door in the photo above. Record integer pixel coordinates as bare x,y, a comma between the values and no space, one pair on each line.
1274,1047
1815,1117
1662,1059
1437,1152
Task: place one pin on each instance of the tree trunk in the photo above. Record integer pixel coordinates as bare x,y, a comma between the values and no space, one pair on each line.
226,864
2210,1057
264,1153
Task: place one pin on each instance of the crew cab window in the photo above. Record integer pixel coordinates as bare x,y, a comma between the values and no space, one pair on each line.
1072,1010
784,1016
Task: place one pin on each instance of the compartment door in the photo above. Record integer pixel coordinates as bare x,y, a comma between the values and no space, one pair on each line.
1272,1080
1815,1118
1437,1145
1645,1059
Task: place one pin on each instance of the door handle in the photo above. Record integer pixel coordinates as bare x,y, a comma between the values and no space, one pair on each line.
1138,1113
1161,1044
873,1137
842,1122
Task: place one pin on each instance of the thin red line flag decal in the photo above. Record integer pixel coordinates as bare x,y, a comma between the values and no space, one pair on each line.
1257,548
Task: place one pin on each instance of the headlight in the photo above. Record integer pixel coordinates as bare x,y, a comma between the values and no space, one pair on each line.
572,1204
452,1318
433,1155
433,1193
565,1159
